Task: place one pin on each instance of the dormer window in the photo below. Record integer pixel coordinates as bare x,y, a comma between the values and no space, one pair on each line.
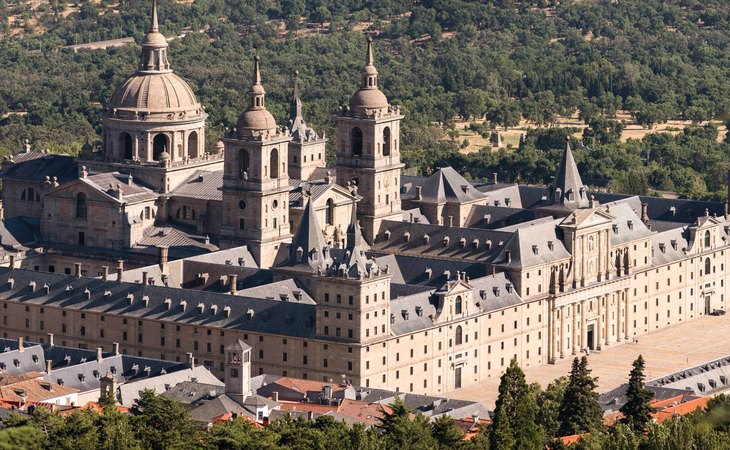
550,245
419,311
674,244
507,201
630,223
534,249
615,228
662,248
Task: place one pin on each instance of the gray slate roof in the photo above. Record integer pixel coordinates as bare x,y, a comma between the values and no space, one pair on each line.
63,167
233,312
202,185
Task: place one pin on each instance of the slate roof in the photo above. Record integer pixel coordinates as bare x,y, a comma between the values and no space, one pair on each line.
567,181
308,250
232,312
19,232
614,399
106,183
533,245
704,379
413,270
37,169
410,239
285,290
669,246
181,242
315,189
444,186
189,392
202,185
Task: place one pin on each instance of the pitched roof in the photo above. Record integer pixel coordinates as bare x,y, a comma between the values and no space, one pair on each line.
309,249
572,192
62,167
203,185
533,245
446,186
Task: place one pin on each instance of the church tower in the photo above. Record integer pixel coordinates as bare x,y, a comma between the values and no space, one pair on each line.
368,151
256,181
306,148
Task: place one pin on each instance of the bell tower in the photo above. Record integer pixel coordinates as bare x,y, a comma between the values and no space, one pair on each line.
368,150
255,180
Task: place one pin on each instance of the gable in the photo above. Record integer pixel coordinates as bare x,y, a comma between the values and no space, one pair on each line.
72,189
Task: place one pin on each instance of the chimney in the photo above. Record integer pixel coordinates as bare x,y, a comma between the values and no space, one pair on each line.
419,195
164,253
451,221
77,270
275,396
191,360
645,213
494,177
120,270
115,347
508,256
21,344
144,278
12,261
233,283
310,416
49,366
104,273
99,356
50,339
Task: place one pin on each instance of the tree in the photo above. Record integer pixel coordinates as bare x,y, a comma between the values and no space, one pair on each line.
240,434
514,425
23,437
549,402
399,431
162,423
580,411
447,434
636,410
506,114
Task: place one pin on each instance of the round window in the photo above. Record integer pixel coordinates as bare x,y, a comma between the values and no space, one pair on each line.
274,204
242,204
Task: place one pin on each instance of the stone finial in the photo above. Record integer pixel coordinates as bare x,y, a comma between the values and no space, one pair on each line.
84,172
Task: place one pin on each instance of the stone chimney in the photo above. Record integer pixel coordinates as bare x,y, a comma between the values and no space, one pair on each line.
191,360
115,347
275,396
233,283
645,213
144,278
120,270
12,261
419,193
494,177
49,366
104,273
164,254
21,344
99,356
77,270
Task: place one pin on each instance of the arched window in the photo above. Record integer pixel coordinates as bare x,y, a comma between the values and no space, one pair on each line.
193,145
459,335
356,141
330,213
125,145
159,144
457,306
81,206
274,163
707,238
708,266
244,169
386,141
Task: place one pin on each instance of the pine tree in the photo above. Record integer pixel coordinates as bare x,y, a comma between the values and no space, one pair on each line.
636,411
580,411
399,431
446,433
514,425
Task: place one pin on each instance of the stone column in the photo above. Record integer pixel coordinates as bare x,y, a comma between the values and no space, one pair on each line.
583,325
563,322
551,331
619,316
627,312
574,330
599,323
607,335
135,155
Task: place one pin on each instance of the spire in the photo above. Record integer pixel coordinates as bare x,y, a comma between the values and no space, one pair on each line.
257,91
297,126
155,26
369,54
154,47
308,246
568,188
369,73
354,234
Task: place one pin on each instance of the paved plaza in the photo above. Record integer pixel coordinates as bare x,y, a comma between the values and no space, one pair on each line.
665,351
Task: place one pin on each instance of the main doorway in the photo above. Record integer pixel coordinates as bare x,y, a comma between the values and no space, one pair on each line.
590,336
457,378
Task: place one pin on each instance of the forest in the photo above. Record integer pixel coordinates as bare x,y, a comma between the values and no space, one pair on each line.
505,60
526,417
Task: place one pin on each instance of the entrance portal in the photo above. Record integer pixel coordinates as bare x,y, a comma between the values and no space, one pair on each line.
590,336
707,304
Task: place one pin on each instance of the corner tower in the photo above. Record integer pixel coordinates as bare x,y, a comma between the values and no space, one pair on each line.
154,126
368,150
255,180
